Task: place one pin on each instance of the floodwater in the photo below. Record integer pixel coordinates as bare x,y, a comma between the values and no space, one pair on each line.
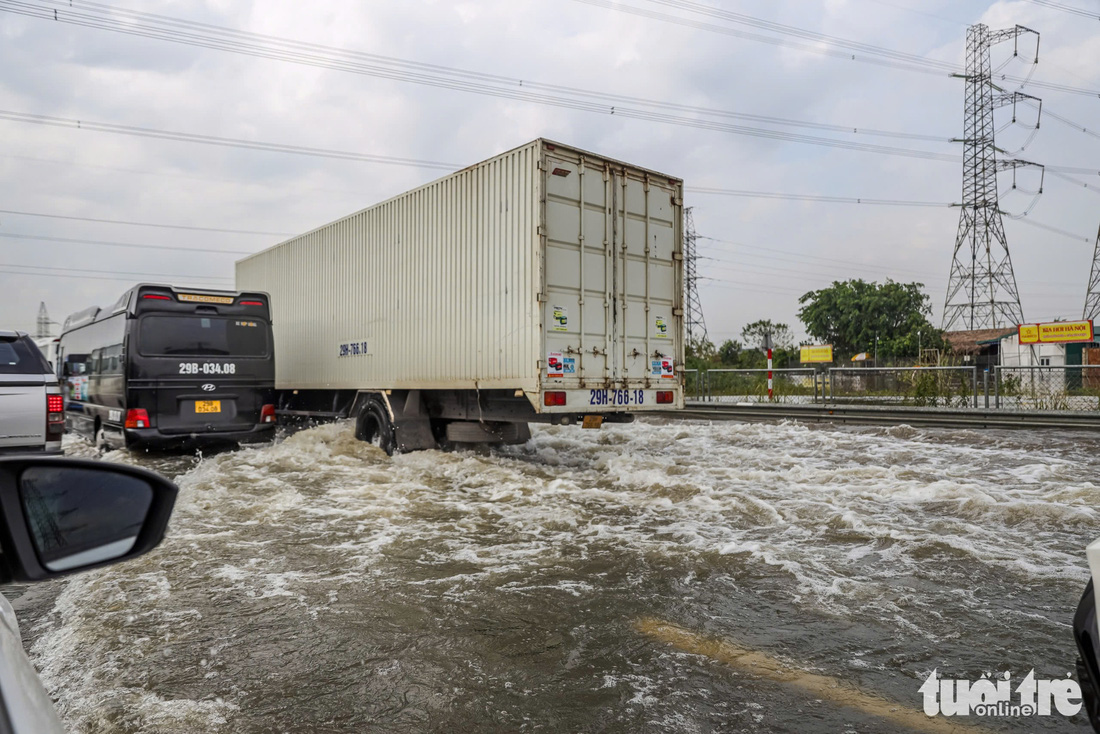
317,585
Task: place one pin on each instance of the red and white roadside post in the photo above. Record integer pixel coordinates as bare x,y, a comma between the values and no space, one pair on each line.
769,374
768,346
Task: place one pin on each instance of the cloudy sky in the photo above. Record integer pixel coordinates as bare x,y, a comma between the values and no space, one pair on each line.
394,92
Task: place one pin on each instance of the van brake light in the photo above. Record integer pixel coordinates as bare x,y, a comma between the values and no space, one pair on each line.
267,414
155,297
137,418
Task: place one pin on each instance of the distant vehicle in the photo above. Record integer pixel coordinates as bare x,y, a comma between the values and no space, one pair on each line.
32,415
544,285
168,367
48,346
61,516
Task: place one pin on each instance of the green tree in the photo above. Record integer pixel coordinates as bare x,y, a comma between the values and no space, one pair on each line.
729,353
850,314
700,354
753,334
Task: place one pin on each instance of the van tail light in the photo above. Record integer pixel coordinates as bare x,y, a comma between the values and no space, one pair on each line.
137,418
665,397
55,417
553,398
267,414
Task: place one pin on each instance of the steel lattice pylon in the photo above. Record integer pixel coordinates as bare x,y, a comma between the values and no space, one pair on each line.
694,326
43,325
1092,297
981,292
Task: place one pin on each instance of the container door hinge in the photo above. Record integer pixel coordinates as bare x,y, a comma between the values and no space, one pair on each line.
677,312
677,201
677,256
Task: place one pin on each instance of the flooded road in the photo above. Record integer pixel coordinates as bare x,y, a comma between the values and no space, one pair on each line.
317,585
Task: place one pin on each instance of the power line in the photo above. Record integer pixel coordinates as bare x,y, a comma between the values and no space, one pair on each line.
116,272
83,277
67,240
146,132
146,224
1079,182
1067,9
329,153
798,257
812,197
277,48
875,54
1055,230
1064,120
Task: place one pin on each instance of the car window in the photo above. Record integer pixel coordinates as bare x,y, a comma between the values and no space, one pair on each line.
19,356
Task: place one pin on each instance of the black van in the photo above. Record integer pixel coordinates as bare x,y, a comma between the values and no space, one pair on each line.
169,367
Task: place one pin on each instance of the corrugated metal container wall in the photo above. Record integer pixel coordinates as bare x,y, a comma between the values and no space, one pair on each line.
435,288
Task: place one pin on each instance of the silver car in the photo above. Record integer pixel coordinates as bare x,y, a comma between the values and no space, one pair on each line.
32,408
61,516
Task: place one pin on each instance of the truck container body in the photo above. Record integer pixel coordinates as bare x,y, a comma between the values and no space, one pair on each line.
546,275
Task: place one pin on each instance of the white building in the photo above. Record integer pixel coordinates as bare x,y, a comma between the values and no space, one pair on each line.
1015,354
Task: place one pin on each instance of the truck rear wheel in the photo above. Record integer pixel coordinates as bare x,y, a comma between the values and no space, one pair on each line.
375,427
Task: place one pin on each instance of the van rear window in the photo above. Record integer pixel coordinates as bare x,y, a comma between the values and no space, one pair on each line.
200,336
19,356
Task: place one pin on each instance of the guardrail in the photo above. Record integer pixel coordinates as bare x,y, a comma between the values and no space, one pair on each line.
1061,388
921,386
1068,388
799,385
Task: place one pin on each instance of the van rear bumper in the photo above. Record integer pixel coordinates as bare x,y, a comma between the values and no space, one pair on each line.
51,448
152,438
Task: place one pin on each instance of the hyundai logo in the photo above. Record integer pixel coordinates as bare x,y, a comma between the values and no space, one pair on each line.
208,387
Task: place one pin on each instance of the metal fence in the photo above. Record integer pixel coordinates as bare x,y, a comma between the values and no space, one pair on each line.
1052,388
954,387
1070,387
751,385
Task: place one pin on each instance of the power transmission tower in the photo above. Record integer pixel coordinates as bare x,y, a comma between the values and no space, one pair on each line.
981,292
43,327
1092,297
694,326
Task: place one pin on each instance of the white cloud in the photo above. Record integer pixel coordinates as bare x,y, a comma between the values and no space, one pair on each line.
58,69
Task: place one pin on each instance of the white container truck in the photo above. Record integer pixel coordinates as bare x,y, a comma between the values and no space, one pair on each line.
542,285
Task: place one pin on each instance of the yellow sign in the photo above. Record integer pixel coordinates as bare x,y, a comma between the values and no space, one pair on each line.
1029,333
1056,332
817,353
196,298
208,406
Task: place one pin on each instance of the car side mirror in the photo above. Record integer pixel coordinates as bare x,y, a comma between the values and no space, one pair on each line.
60,516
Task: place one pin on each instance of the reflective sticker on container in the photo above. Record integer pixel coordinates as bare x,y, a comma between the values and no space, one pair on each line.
554,365
662,327
561,318
661,367
570,365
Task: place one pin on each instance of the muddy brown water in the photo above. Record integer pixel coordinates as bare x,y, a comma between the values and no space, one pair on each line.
317,585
